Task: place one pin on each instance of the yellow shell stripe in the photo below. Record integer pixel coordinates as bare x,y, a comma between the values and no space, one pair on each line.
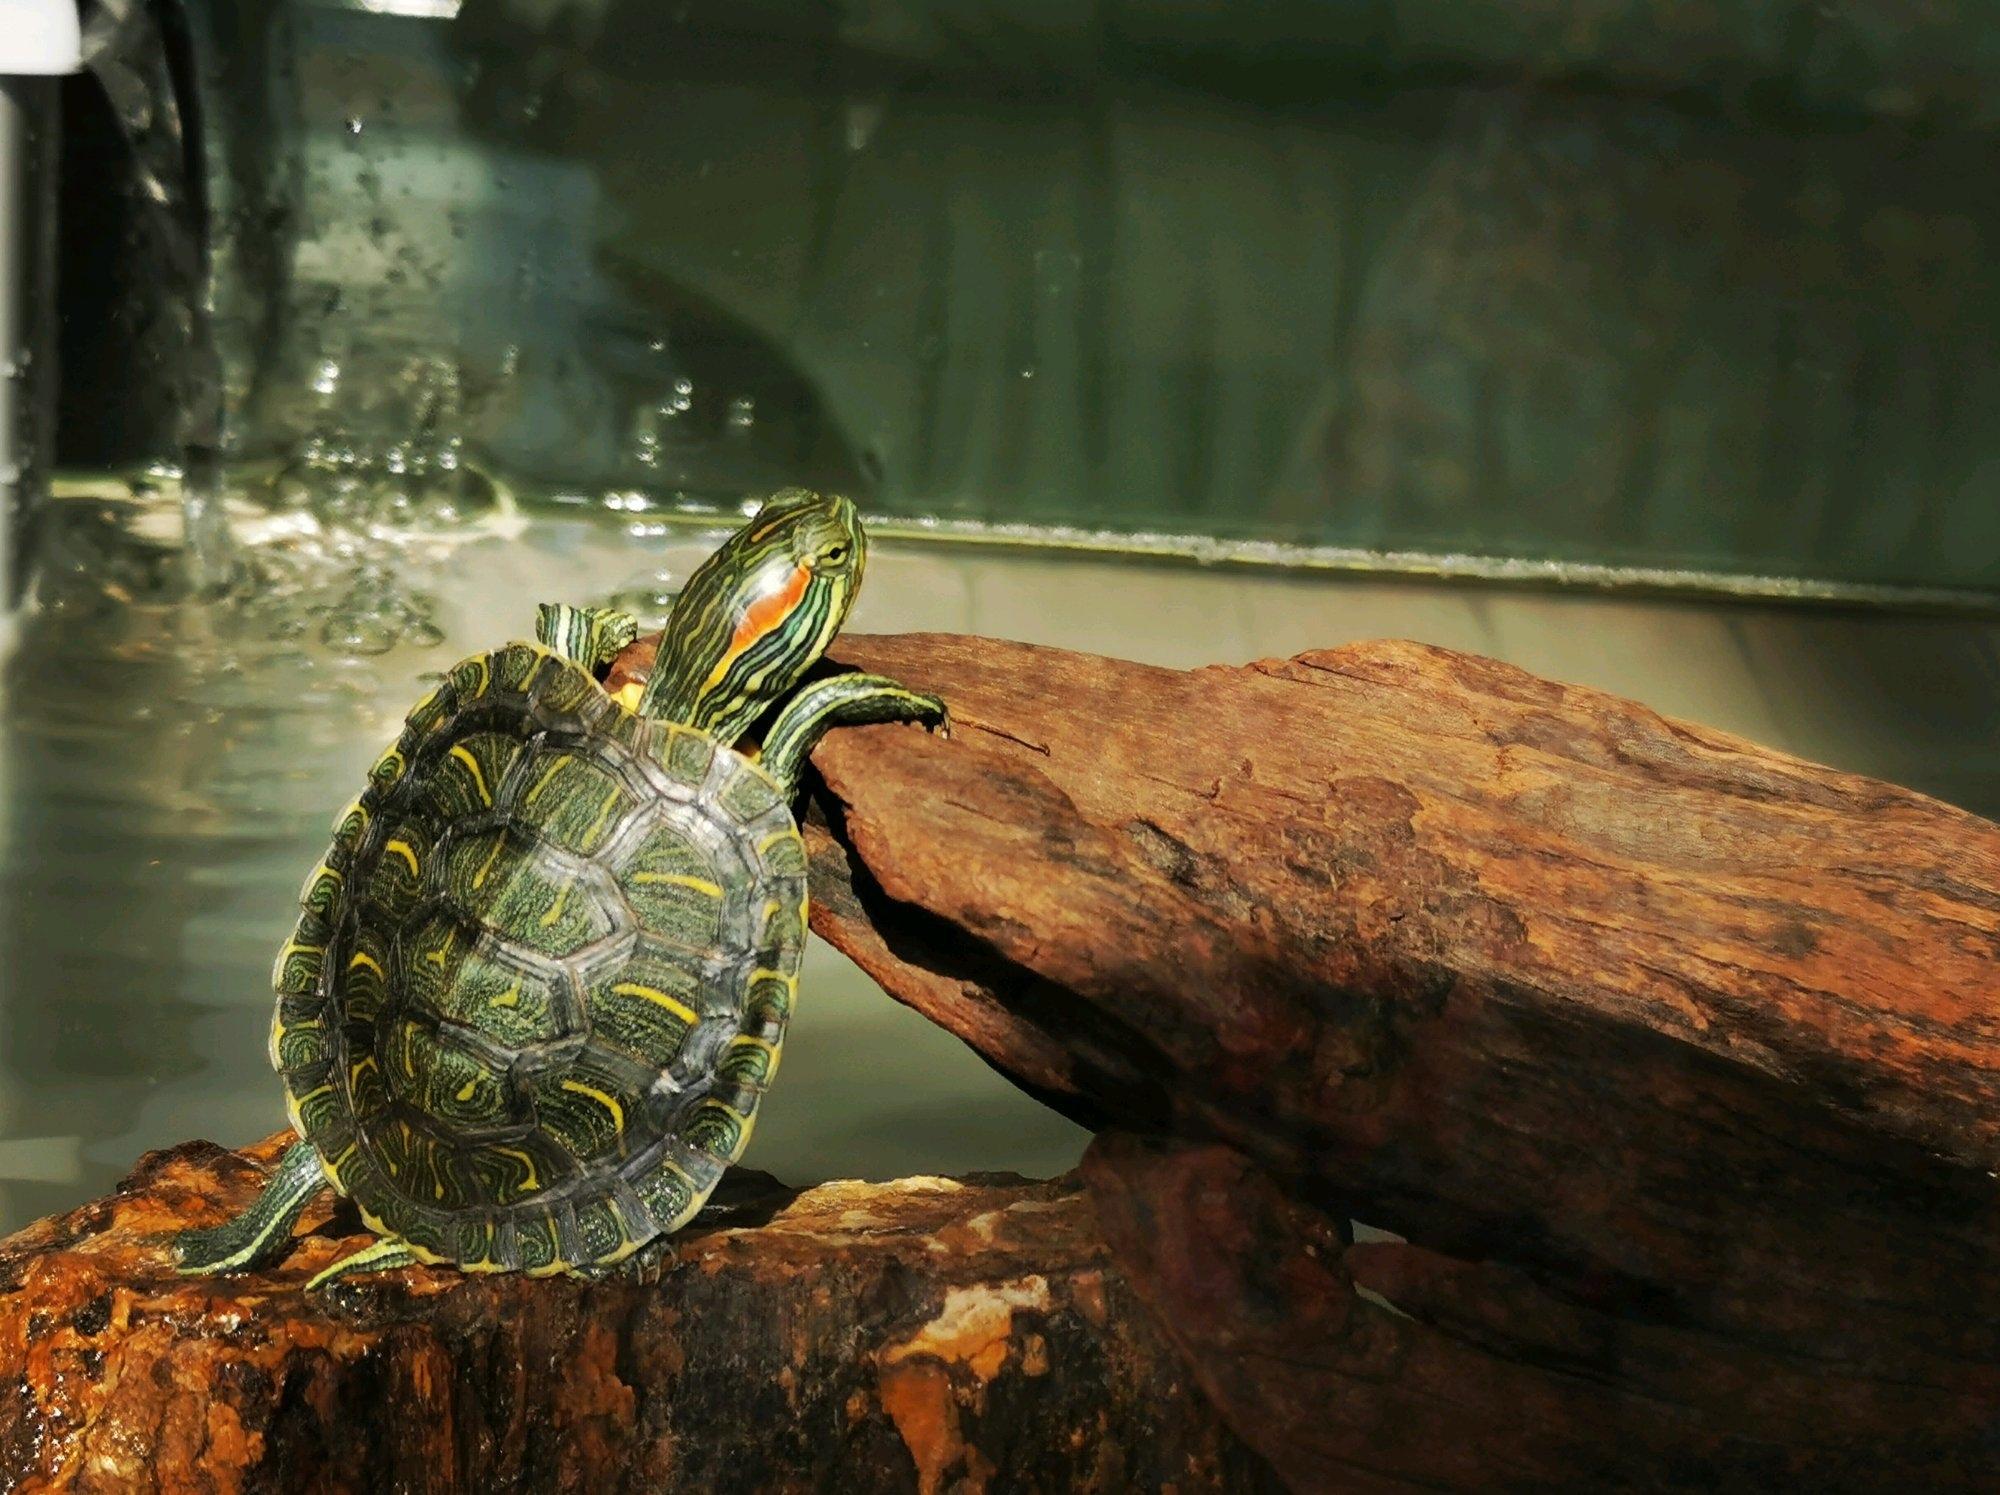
611,799
555,767
609,1102
699,885
776,1049
653,994
485,867
556,908
464,755
533,1181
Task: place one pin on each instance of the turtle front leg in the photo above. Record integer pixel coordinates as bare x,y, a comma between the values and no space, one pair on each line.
840,701
589,635
261,1233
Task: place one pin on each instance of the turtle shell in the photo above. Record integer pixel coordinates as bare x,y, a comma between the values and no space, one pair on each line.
542,976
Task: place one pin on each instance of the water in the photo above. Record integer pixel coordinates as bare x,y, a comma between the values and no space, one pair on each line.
169,762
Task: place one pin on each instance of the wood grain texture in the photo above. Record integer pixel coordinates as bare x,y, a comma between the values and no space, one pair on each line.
912,1336
1688,1033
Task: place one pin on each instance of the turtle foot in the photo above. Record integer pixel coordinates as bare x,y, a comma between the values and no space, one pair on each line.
646,1265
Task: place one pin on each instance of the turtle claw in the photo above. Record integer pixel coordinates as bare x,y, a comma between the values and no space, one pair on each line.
646,1265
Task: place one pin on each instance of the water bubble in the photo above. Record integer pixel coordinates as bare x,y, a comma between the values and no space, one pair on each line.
326,378
354,124
424,634
360,630
648,596
290,490
742,413
1028,372
864,117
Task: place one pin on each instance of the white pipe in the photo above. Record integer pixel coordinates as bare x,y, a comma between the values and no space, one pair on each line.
39,40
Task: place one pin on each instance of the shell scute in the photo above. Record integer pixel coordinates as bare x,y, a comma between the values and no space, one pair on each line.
671,1195
748,795
589,1112
576,801
686,755
647,1007
396,880
466,778
459,1090
783,854
349,827
386,771
428,714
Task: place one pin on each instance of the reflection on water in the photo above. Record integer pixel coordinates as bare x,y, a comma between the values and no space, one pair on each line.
168,771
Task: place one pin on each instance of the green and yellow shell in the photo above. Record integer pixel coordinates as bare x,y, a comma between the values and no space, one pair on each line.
542,976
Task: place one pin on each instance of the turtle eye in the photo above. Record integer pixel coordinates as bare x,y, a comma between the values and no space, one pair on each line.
833,555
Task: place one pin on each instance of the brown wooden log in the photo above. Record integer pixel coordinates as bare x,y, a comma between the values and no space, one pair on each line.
1695,1043
924,1335
1477,1378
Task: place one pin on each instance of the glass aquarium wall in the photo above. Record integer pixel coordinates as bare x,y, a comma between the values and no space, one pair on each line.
1620,284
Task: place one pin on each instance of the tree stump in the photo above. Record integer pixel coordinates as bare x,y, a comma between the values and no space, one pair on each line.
929,1335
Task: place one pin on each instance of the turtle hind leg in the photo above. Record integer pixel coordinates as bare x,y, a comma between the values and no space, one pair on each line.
589,635
644,1265
261,1233
384,1255
840,701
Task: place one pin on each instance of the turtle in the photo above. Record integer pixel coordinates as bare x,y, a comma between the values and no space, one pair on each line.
540,980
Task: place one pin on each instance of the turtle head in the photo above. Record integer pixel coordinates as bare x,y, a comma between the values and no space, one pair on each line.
756,614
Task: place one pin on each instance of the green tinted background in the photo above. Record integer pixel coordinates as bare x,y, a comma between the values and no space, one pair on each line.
1627,282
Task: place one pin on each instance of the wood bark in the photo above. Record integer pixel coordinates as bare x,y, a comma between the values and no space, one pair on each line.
924,1335
1675,1059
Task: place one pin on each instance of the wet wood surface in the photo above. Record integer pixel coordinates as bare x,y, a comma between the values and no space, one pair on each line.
1676,1059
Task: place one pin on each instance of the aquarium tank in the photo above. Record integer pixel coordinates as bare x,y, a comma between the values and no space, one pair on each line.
1645,346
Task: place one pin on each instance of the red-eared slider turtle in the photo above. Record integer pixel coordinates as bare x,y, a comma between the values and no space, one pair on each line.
543,973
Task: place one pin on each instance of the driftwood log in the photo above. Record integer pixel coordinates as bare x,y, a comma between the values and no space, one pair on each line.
1672,1061
1676,1060
924,1335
